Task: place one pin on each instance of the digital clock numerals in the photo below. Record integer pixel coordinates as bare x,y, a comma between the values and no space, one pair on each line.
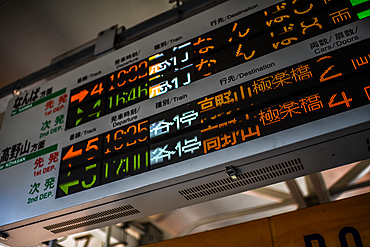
127,136
125,165
127,97
176,149
128,75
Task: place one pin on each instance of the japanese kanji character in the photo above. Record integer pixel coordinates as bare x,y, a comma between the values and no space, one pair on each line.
62,99
229,139
262,84
59,120
239,53
278,9
50,90
157,155
49,104
39,162
34,188
270,116
49,183
302,72
339,35
311,103
211,143
349,32
284,42
314,44
34,95
53,157
18,102
289,108
34,147
206,48
6,154
208,63
160,128
41,145
250,133
340,15
206,104
240,35
303,11
45,125
25,148
186,118
281,78
16,149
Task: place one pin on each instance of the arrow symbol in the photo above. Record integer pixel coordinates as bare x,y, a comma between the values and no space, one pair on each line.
72,154
79,96
66,186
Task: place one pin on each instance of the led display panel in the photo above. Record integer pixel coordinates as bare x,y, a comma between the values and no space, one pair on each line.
242,83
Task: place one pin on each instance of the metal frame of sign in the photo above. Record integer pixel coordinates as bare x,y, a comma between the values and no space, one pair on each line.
59,164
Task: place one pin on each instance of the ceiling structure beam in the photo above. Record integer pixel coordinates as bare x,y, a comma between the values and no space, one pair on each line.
234,214
351,177
320,187
296,193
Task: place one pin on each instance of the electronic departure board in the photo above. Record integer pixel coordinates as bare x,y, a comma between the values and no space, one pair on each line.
275,89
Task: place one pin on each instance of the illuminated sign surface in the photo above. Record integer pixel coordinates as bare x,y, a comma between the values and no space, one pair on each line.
226,118
181,102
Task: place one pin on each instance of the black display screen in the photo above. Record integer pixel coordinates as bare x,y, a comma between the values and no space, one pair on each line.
301,93
266,31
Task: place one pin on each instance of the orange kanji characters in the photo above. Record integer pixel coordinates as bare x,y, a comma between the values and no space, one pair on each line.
229,139
239,53
315,23
311,103
302,72
363,61
240,35
211,143
284,42
279,8
206,104
262,84
277,20
208,63
281,78
250,133
204,49
225,98
303,11
340,16
269,116
289,108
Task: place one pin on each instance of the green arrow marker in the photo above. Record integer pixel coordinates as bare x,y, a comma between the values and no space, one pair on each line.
66,186
97,104
78,121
